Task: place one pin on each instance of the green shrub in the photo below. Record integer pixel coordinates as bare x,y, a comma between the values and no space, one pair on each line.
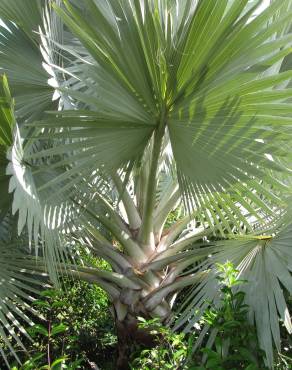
74,325
235,345
170,352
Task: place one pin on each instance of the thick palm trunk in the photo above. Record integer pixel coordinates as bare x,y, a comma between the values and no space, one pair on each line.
130,336
126,310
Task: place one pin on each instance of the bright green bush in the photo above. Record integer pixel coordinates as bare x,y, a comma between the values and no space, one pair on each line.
170,352
232,341
74,326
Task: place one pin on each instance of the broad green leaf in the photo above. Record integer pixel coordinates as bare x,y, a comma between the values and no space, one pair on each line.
57,329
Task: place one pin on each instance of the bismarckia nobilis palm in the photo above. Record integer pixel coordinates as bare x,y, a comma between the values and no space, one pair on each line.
156,134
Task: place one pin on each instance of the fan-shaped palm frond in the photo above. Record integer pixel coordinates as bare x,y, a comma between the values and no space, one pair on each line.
25,53
264,261
18,287
21,60
233,140
27,14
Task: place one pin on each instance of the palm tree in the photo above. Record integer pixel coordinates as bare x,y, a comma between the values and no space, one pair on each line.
157,135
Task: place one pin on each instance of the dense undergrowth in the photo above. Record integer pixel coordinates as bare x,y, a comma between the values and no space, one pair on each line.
75,330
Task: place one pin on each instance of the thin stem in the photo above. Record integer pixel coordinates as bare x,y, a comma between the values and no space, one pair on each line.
113,213
105,248
111,289
177,258
174,231
140,181
49,342
183,242
167,204
157,295
130,207
111,277
133,249
146,236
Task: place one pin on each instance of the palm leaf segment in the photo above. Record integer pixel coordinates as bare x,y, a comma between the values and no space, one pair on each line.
21,57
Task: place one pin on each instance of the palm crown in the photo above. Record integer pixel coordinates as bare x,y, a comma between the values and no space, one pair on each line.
126,111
